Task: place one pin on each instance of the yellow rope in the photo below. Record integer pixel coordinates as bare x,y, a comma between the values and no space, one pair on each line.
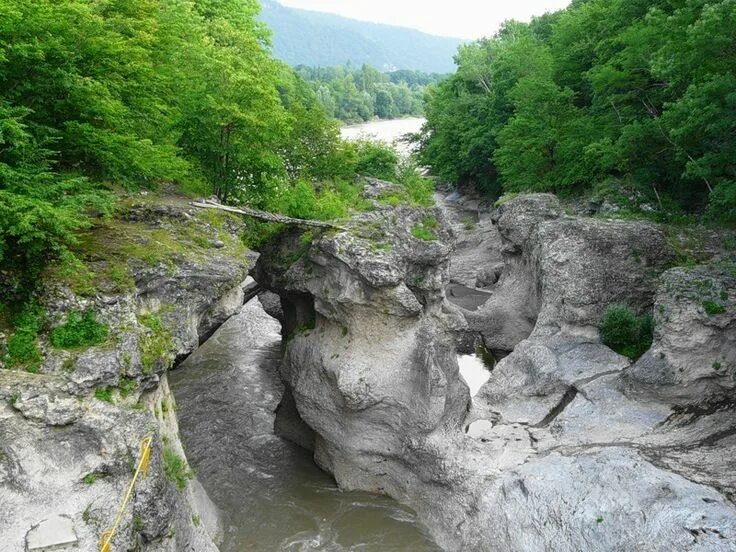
142,468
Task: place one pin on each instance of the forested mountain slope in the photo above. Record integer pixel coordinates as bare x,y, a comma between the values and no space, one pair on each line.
303,37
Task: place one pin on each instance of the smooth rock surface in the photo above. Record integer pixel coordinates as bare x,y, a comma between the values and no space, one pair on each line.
54,533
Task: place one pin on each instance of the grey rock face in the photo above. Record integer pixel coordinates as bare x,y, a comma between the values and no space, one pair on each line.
70,435
76,474
693,358
568,447
476,259
565,271
600,428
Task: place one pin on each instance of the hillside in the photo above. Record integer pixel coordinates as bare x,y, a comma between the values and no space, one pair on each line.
302,37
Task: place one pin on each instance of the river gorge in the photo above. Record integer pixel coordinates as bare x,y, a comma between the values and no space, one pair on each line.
272,495
366,389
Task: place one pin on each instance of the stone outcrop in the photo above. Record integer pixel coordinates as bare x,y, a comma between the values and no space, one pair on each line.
71,432
365,311
693,358
568,446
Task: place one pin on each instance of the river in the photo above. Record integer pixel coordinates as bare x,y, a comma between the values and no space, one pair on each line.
272,495
390,131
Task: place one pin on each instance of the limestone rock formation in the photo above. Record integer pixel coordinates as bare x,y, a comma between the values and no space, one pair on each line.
71,433
364,310
568,446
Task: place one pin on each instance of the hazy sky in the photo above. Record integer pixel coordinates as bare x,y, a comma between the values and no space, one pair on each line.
458,18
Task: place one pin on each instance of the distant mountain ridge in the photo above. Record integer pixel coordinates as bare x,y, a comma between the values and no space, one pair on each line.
302,37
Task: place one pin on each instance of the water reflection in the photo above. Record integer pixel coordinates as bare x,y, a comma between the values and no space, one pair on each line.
474,372
387,131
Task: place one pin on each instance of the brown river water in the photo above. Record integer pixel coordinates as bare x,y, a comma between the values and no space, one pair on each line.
271,494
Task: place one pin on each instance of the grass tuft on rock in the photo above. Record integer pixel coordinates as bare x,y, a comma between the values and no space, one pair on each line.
624,332
426,231
155,347
176,469
712,308
104,394
80,330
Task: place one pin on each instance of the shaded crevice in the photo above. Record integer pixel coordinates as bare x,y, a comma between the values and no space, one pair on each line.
299,313
566,399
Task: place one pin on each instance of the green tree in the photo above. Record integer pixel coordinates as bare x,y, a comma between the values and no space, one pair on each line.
634,92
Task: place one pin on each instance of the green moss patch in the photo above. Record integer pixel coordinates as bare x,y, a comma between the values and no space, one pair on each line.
155,347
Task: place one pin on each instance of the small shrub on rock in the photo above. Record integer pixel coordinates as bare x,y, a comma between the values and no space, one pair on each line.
80,330
176,469
712,308
22,347
426,231
626,333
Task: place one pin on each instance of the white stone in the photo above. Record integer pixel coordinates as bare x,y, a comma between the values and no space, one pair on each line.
54,533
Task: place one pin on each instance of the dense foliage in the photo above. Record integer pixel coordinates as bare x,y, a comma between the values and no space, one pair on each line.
80,330
362,94
626,333
322,39
634,96
99,96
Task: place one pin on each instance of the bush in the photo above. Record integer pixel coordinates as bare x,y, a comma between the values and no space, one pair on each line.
23,350
22,346
321,201
176,469
79,331
722,206
418,188
376,159
626,333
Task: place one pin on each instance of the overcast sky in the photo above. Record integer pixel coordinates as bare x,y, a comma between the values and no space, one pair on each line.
457,18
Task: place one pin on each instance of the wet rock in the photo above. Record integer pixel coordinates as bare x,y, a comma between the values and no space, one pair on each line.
289,423
271,304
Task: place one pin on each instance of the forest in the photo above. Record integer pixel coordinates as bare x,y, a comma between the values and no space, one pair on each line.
632,99
357,95
98,99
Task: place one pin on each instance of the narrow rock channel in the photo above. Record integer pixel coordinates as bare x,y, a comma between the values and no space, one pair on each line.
270,493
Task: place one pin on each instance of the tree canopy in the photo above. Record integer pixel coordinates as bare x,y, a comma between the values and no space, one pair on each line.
632,94
129,94
356,95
